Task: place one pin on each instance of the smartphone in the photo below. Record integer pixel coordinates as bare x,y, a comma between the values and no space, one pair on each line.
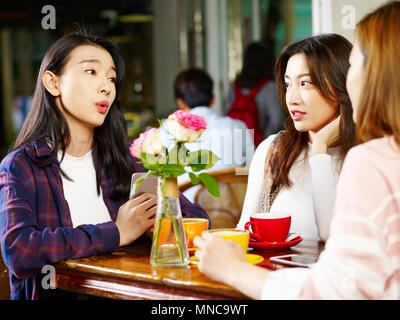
148,185
295,260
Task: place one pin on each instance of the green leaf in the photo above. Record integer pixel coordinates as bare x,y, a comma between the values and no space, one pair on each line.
197,167
178,155
210,183
195,160
202,159
173,155
212,159
164,150
149,161
173,170
157,173
195,180
195,157
183,156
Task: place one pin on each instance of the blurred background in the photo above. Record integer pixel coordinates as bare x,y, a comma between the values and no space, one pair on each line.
158,38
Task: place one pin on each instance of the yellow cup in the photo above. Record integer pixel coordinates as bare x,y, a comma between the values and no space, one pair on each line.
239,236
193,227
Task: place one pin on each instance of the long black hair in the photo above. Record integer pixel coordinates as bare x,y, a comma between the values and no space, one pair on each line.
327,57
258,62
45,120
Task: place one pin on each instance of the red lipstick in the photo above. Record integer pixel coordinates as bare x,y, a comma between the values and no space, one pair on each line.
297,115
102,106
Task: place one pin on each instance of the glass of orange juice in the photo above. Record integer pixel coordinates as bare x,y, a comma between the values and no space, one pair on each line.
193,227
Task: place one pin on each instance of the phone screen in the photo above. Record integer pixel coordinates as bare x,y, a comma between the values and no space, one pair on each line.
149,185
301,259
295,260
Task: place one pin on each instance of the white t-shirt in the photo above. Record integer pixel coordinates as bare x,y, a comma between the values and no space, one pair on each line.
310,199
85,205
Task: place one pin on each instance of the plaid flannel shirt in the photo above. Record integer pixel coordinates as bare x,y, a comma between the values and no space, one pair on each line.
35,223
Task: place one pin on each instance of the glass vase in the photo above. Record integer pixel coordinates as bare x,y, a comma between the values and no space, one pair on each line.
169,248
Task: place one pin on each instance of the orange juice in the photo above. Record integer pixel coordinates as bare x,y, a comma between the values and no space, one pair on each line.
193,227
164,230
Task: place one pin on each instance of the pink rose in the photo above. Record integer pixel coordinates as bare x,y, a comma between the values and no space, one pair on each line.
147,142
189,120
185,127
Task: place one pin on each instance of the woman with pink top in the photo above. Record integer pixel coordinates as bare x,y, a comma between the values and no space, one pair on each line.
361,259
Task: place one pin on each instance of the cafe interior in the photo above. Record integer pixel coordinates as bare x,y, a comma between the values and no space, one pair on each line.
158,39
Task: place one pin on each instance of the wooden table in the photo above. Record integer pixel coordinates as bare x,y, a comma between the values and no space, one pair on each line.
127,274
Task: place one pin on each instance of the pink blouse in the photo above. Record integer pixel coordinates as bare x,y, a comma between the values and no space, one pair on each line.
361,259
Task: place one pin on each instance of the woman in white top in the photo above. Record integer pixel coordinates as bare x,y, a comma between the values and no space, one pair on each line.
361,259
296,171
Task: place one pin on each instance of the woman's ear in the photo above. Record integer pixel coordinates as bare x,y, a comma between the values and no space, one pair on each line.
51,83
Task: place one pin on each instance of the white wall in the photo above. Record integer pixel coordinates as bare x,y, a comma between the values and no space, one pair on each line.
341,16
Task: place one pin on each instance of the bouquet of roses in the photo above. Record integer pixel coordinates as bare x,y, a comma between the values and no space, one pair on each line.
183,127
168,164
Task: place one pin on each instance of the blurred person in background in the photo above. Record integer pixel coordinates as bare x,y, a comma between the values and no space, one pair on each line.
253,97
227,138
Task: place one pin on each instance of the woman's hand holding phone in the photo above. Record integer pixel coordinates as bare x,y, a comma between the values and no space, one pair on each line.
135,217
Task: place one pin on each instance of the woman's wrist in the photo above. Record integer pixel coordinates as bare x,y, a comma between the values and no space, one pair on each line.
247,278
234,269
122,240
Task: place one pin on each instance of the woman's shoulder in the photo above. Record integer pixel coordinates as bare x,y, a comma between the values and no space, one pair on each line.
375,153
272,140
263,147
371,168
12,159
266,143
375,162
24,156
380,148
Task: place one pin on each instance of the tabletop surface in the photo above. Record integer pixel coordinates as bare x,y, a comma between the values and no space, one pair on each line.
127,274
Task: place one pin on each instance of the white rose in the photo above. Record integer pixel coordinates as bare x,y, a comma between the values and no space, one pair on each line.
148,142
152,143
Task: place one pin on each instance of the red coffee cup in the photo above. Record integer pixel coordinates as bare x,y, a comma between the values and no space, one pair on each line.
271,227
